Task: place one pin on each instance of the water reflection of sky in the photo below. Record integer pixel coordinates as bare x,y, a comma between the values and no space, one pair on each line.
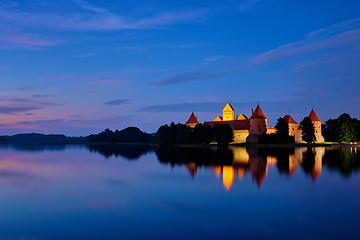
73,193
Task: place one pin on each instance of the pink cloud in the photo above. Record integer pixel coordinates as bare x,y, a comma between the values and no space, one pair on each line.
26,39
11,40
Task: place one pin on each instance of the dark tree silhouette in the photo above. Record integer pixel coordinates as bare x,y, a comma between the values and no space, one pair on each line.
224,133
308,130
198,133
127,135
282,130
208,135
342,129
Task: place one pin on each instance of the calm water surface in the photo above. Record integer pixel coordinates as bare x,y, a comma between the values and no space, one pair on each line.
139,192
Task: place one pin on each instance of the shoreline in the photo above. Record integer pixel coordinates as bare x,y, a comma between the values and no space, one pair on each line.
261,145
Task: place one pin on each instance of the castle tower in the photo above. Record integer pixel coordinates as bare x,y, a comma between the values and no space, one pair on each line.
292,124
258,121
317,125
228,112
192,121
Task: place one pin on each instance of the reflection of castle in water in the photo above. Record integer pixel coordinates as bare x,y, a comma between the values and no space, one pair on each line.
256,162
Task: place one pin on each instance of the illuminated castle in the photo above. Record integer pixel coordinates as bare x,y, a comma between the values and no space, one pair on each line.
249,129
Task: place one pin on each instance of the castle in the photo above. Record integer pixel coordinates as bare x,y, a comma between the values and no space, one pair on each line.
249,129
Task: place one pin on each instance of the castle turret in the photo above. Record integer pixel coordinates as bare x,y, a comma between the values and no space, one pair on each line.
228,113
292,124
192,121
317,125
258,121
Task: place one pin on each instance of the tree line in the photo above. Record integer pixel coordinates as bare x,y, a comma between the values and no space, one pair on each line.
41,138
127,135
200,134
342,129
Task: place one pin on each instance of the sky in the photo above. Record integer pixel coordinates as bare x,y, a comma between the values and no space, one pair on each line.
76,67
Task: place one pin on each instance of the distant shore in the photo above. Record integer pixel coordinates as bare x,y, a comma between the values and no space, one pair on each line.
272,145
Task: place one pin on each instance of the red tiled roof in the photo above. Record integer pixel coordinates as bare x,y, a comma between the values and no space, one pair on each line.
192,119
258,113
236,124
313,116
289,119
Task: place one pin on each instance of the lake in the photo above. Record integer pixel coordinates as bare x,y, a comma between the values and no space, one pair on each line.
144,192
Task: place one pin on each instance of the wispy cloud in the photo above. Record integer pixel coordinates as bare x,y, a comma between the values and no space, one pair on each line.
27,88
338,35
97,18
15,105
204,74
59,77
139,49
16,109
118,102
90,91
105,80
184,107
96,80
215,58
78,126
29,41
182,46
247,5
313,64
41,95
85,55
30,101
171,46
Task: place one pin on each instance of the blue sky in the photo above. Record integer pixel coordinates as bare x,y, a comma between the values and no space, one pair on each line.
77,67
